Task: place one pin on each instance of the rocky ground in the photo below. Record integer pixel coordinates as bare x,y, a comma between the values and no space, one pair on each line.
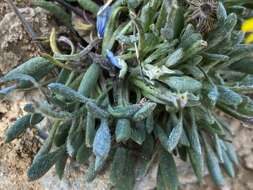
16,47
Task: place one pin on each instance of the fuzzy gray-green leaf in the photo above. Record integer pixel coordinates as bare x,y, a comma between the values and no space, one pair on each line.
43,164
168,171
123,130
102,140
182,84
17,128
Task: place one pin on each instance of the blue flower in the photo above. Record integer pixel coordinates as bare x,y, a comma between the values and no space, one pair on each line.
102,19
113,59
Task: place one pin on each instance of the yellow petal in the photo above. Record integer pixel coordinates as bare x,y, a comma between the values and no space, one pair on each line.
249,39
247,26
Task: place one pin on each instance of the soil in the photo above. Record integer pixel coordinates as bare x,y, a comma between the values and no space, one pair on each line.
15,158
15,47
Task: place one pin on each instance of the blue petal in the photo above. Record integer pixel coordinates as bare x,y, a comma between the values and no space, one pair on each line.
114,60
102,19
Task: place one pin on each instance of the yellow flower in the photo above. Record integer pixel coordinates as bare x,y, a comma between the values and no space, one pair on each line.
247,26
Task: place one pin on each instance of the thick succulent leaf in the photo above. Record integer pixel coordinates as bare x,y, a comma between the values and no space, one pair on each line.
174,58
213,166
36,118
90,130
229,97
184,139
102,140
47,145
138,133
222,31
118,165
145,111
60,165
230,150
194,135
123,130
67,92
146,158
91,173
168,172
149,123
41,165
182,84
221,12
17,128
244,66
127,180
147,15
203,114
124,111
210,94
61,134
175,134
75,138
197,162
32,67
96,111
218,148
83,153
228,164
155,72
246,107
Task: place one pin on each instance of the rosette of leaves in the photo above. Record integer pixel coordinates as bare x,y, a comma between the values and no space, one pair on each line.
147,92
